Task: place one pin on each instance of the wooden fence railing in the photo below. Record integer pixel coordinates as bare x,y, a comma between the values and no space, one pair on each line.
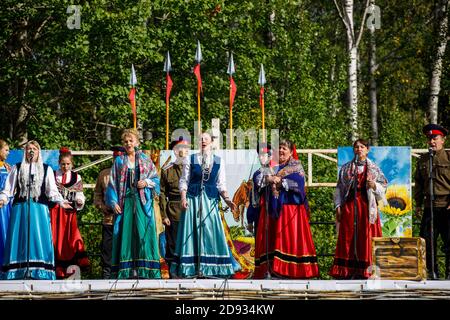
328,154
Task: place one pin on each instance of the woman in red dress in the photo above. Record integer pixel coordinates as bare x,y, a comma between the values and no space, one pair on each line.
371,185
67,241
284,245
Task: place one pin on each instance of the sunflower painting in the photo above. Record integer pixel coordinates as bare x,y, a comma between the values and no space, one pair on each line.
396,215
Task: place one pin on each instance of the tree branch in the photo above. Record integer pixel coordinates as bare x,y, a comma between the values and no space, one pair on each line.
38,31
347,26
361,28
106,124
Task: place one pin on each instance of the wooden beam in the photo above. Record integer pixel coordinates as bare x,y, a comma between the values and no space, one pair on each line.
326,157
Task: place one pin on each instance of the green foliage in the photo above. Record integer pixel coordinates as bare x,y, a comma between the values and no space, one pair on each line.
72,82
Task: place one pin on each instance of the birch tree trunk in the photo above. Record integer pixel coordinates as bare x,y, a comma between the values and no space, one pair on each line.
352,71
353,40
435,81
353,92
373,86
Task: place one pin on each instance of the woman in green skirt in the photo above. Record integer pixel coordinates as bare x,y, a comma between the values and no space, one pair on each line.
135,251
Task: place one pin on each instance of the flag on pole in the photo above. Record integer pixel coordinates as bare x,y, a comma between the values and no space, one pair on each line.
198,59
233,89
169,84
261,82
167,69
261,97
231,70
132,95
198,75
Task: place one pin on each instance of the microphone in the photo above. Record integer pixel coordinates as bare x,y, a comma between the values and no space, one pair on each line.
355,171
430,151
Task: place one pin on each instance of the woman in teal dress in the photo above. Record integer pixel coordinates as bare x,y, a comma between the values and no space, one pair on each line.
30,256
6,210
201,247
135,251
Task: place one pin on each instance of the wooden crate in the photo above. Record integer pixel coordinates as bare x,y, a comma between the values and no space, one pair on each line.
398,258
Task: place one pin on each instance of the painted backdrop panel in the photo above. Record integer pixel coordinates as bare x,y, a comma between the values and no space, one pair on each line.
395,162
239,166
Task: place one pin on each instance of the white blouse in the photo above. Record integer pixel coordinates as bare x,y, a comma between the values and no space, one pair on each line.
51,190
221,183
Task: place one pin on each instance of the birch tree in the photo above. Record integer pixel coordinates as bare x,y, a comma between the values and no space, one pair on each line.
346,13
373,24
435,81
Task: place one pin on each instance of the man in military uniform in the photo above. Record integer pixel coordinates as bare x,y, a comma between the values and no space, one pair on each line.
436,136
108,215
170,198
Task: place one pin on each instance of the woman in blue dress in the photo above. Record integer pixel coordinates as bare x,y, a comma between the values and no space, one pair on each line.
30,255
6,210
200,230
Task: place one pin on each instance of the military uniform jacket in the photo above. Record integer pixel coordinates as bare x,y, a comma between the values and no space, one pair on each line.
170,198
441,180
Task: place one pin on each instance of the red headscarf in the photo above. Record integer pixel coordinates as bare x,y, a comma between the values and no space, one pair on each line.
64,150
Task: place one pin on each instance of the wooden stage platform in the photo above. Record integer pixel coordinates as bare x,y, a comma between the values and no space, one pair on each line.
219,289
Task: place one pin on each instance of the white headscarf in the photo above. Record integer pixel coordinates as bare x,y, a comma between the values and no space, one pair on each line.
37,170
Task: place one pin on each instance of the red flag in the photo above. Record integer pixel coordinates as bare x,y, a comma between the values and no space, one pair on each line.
261,97
198,75
294,152
132,97
233,91
169,85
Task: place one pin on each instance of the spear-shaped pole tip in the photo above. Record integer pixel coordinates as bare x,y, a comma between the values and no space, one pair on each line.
133,79
231,70
198,53
167,63
262,76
